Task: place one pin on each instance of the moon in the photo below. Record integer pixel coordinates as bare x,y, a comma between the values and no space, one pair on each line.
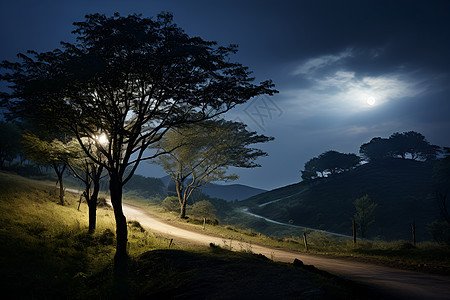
371,101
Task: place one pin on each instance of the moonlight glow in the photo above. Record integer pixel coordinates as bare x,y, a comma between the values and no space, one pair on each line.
102,139
371,101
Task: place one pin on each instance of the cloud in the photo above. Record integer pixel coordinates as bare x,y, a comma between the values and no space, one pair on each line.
344,92
313,64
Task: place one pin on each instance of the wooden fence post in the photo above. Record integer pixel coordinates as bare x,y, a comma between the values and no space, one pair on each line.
306,241
413,229
204,223
354,232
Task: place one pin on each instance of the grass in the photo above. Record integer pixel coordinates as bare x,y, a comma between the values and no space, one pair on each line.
45,248
46,253
426,256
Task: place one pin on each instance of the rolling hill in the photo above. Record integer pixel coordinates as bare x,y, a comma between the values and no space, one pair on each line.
403,190
228,192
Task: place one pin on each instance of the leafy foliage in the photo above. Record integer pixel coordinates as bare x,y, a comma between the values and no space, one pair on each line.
199,154
203,209
330,162
129,79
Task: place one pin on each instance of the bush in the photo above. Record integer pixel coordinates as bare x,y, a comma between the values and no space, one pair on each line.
171,204
440,231
203,209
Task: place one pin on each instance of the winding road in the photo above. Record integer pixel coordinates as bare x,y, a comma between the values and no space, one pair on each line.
394,283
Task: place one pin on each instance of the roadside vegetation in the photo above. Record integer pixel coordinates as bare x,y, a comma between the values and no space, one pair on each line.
47,252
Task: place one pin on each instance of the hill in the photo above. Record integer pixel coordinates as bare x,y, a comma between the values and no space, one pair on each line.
228,192
231,192
403,190
47,253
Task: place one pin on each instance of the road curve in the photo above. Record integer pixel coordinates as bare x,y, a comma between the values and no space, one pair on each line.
398,284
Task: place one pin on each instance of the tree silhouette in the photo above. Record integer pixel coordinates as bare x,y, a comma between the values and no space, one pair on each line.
399,145
330,162
131,79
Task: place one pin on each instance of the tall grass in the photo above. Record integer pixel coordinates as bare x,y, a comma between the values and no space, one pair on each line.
45,248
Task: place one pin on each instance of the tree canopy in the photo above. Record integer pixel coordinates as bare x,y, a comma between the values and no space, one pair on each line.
203,152
127,79
404,145
330,162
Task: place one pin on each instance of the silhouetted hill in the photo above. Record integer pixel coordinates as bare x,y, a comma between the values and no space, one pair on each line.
228,192
403,190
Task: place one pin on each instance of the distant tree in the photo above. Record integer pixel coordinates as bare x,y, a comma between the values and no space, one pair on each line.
54,154
199,154
412,143
330,162
364,215
133,79
403,145
10,136
377,149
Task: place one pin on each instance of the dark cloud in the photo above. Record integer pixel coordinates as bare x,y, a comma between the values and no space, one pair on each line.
326,58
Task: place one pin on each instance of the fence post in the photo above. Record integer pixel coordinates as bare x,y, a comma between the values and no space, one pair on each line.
354,232
413,229
306,241
204,223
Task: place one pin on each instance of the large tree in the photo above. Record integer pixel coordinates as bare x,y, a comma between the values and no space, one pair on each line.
330,162
132,79
201,153
411,144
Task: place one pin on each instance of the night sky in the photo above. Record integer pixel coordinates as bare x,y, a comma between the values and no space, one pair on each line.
347,71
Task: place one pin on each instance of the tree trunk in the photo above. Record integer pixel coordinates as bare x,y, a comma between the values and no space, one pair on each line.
121,257
92,203
183,210
92,215
181,199
60,173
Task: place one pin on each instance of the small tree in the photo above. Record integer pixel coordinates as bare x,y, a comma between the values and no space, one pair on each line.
199,154
364,215
171,203
203,209
89,172
54,154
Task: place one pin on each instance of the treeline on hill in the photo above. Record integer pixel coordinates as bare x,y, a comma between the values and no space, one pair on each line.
405,176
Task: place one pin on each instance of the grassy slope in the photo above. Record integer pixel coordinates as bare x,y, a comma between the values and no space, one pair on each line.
401,188
45,252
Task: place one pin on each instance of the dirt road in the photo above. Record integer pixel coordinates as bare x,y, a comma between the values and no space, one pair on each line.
398,284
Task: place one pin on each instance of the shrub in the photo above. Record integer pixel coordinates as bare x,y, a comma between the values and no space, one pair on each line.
203,209
171,204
